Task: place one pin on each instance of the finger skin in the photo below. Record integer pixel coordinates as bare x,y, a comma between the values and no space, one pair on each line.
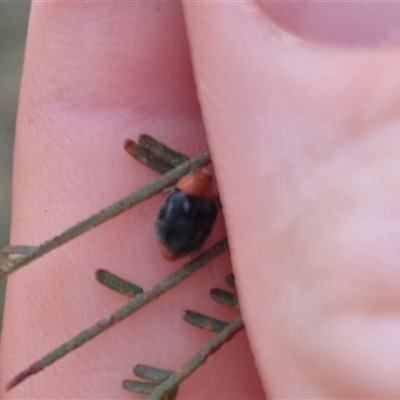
96,74
306,149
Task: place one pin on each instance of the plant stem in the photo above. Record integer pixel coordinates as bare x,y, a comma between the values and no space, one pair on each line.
196,361
122,313
9,266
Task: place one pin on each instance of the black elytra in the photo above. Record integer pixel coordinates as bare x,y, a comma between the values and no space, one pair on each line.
184,223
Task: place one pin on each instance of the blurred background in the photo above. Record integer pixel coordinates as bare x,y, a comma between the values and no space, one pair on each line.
13,27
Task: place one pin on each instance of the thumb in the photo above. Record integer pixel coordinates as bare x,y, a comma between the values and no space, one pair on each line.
306,151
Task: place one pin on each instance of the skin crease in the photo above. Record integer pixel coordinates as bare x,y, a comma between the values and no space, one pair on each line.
305,148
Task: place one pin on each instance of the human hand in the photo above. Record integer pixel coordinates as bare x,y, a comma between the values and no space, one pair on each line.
304,146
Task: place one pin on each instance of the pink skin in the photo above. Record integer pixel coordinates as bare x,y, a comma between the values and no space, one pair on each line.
305,145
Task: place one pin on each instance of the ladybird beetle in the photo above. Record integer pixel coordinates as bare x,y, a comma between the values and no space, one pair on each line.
187,216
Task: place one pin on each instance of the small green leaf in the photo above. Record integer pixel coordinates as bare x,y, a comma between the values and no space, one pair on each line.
230,280
117,284
204,322
151,373
138,387
226,298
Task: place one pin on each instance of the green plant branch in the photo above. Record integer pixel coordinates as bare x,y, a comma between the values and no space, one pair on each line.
122,313
196,361
167,180
7,250
160,158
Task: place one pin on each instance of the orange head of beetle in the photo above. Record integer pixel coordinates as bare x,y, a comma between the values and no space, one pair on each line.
198,184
